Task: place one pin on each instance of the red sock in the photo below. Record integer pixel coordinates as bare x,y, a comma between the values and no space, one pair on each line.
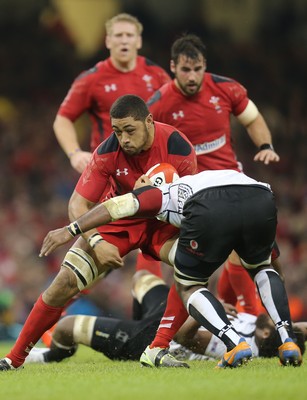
224,290
244,287
174,316
150,265
41,318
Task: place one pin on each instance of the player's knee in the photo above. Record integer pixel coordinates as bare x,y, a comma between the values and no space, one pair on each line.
62,289
63,333
82,265
142,282
83,329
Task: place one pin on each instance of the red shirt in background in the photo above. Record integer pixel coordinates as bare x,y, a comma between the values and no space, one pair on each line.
95,90
204,117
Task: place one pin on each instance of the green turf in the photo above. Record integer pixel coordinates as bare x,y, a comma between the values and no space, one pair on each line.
89,376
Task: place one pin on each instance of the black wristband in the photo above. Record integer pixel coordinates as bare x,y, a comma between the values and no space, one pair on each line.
74,229
266,146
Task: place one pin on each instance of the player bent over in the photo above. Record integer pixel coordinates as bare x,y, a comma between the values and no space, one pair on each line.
217,211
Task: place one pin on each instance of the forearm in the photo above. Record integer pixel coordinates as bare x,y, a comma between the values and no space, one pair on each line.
66,135
259,132
97,216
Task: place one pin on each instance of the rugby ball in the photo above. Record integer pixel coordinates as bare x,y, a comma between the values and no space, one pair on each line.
162,173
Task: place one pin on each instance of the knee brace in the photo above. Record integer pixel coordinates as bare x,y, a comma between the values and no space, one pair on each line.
144,284
83,329
82,265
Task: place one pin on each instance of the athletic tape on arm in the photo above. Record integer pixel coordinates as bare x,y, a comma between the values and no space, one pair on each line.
249,114
122,206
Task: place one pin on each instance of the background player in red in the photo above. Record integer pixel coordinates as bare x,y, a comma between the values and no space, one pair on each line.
200,104
94,91
136,144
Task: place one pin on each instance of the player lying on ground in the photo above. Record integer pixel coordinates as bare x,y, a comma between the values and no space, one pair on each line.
217,211
122,339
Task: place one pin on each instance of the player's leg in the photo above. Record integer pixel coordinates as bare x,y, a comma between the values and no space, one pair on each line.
242,285
150,265
144,264
156,354
274,298
77,271
225,291
255,252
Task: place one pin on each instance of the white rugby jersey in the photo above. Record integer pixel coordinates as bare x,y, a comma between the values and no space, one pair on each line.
177,193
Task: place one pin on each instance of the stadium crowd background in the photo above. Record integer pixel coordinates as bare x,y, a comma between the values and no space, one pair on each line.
261,44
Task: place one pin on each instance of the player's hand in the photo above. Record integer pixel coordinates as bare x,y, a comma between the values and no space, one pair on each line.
108,255
142,181
267,156
230,310
53,240
79,160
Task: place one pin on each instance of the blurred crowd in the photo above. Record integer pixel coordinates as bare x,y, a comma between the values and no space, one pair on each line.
37,180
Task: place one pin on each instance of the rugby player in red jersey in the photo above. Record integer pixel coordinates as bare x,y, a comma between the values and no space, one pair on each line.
200,104
137,144
94,91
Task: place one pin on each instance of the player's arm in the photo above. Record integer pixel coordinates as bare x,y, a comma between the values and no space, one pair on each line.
259,133
67,137
143,202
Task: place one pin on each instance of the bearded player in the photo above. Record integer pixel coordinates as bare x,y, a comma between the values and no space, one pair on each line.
200,104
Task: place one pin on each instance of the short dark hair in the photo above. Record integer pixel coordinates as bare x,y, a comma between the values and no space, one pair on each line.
129,105
188,45
269,346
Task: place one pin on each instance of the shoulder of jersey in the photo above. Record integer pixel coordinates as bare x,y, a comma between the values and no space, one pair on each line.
161,92
177,143
110,145
220,79
93,72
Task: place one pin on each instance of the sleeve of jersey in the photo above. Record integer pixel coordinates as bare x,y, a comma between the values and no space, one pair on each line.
150,201
238,96
185,161
77,100
93,181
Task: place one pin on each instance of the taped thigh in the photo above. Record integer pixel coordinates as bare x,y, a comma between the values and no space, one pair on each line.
82,265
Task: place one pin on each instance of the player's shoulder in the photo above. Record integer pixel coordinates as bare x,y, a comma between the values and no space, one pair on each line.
177,142
224,83
153,68
110,145
93,72
161,94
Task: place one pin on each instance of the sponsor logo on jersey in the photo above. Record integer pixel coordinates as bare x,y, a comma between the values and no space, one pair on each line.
120,172
179,114
215,101
184,192
110,88
193,244
208,147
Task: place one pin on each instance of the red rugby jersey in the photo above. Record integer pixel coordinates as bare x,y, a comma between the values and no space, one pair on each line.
109,160
204,117
95,90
